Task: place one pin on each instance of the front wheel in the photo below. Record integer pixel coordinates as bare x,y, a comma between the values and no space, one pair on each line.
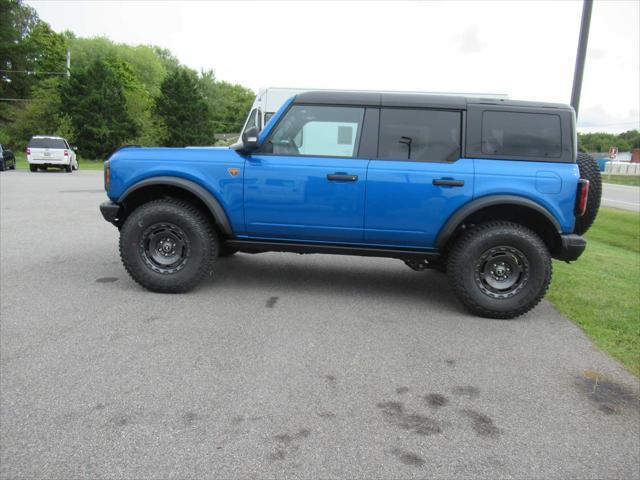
33,168
168,246
499,269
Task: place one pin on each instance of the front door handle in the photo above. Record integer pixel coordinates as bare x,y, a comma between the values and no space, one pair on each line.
448,182
341,177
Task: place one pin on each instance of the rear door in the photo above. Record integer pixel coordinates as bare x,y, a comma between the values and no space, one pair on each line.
308,182
419,178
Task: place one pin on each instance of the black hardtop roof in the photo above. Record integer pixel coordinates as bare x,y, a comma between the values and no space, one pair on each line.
454,102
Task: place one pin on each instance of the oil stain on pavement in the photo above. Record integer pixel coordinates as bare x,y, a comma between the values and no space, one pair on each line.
609,396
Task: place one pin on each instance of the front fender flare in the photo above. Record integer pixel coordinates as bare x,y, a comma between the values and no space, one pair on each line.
220,216
478,204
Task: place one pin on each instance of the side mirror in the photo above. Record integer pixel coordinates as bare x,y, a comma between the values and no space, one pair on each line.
250,139
74,148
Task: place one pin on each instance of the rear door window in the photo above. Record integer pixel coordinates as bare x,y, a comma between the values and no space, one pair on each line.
419,135
521,134
47,143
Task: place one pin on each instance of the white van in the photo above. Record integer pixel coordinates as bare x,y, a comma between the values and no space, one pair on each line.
44,151
269,100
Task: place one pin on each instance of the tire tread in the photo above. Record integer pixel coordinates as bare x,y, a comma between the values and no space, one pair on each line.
463,244
144,278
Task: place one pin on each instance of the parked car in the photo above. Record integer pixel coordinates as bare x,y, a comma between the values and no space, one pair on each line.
7,159
45,151
488,190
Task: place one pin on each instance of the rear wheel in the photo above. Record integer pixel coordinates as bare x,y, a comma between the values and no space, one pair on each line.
168,246
69,168
33,168
499,269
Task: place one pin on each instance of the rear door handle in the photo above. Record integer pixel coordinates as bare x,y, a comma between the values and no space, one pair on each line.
341,177
448,182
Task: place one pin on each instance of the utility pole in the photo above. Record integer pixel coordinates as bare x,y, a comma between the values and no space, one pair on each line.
587,6
68,63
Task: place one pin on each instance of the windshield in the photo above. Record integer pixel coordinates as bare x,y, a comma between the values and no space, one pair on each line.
47,143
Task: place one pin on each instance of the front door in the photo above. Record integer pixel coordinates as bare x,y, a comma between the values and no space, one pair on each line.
306,182
418,180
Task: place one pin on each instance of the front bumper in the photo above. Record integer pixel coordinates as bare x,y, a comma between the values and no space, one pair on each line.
571,248
110,211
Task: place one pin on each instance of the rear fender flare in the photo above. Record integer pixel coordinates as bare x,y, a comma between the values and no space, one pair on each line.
492,200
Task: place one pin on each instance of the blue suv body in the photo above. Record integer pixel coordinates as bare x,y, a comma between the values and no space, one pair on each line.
433,180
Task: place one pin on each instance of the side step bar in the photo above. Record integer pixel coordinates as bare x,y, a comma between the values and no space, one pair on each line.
258,246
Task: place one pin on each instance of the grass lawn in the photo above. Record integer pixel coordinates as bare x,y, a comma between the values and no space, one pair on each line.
622,179
601,290
21,163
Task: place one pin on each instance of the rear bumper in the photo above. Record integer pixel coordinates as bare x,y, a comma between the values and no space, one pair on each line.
110,211
49,162
572,247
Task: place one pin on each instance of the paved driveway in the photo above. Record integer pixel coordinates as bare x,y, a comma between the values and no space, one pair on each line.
282,366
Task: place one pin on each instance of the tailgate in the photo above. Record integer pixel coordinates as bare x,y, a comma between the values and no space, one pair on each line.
47,154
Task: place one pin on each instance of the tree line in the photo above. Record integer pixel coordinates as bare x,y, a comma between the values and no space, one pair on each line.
601,142
115,94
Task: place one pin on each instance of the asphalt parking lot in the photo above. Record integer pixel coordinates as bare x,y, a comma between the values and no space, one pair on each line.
280,366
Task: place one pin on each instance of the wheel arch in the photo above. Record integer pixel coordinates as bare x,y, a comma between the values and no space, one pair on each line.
167,186
503,207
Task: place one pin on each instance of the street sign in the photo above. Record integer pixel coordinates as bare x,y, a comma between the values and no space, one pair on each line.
613,152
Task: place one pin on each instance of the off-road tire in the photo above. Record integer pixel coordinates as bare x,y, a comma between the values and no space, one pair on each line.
33,168
467,254
589,170
191,222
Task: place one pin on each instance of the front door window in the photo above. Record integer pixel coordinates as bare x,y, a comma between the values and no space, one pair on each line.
308,130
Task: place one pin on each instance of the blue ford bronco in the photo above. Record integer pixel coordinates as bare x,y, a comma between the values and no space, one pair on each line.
486,190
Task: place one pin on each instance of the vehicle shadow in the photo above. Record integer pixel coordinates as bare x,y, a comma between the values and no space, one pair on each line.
360,278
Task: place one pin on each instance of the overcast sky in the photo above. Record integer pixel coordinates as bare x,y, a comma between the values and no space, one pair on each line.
524,49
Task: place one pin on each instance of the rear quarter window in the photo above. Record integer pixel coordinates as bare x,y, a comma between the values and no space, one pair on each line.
521,134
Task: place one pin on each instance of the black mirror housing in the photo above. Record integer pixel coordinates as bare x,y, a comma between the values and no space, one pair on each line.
250,140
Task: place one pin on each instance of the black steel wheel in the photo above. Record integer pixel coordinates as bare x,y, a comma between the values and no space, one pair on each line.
499,269
501,272
165,247
168,245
